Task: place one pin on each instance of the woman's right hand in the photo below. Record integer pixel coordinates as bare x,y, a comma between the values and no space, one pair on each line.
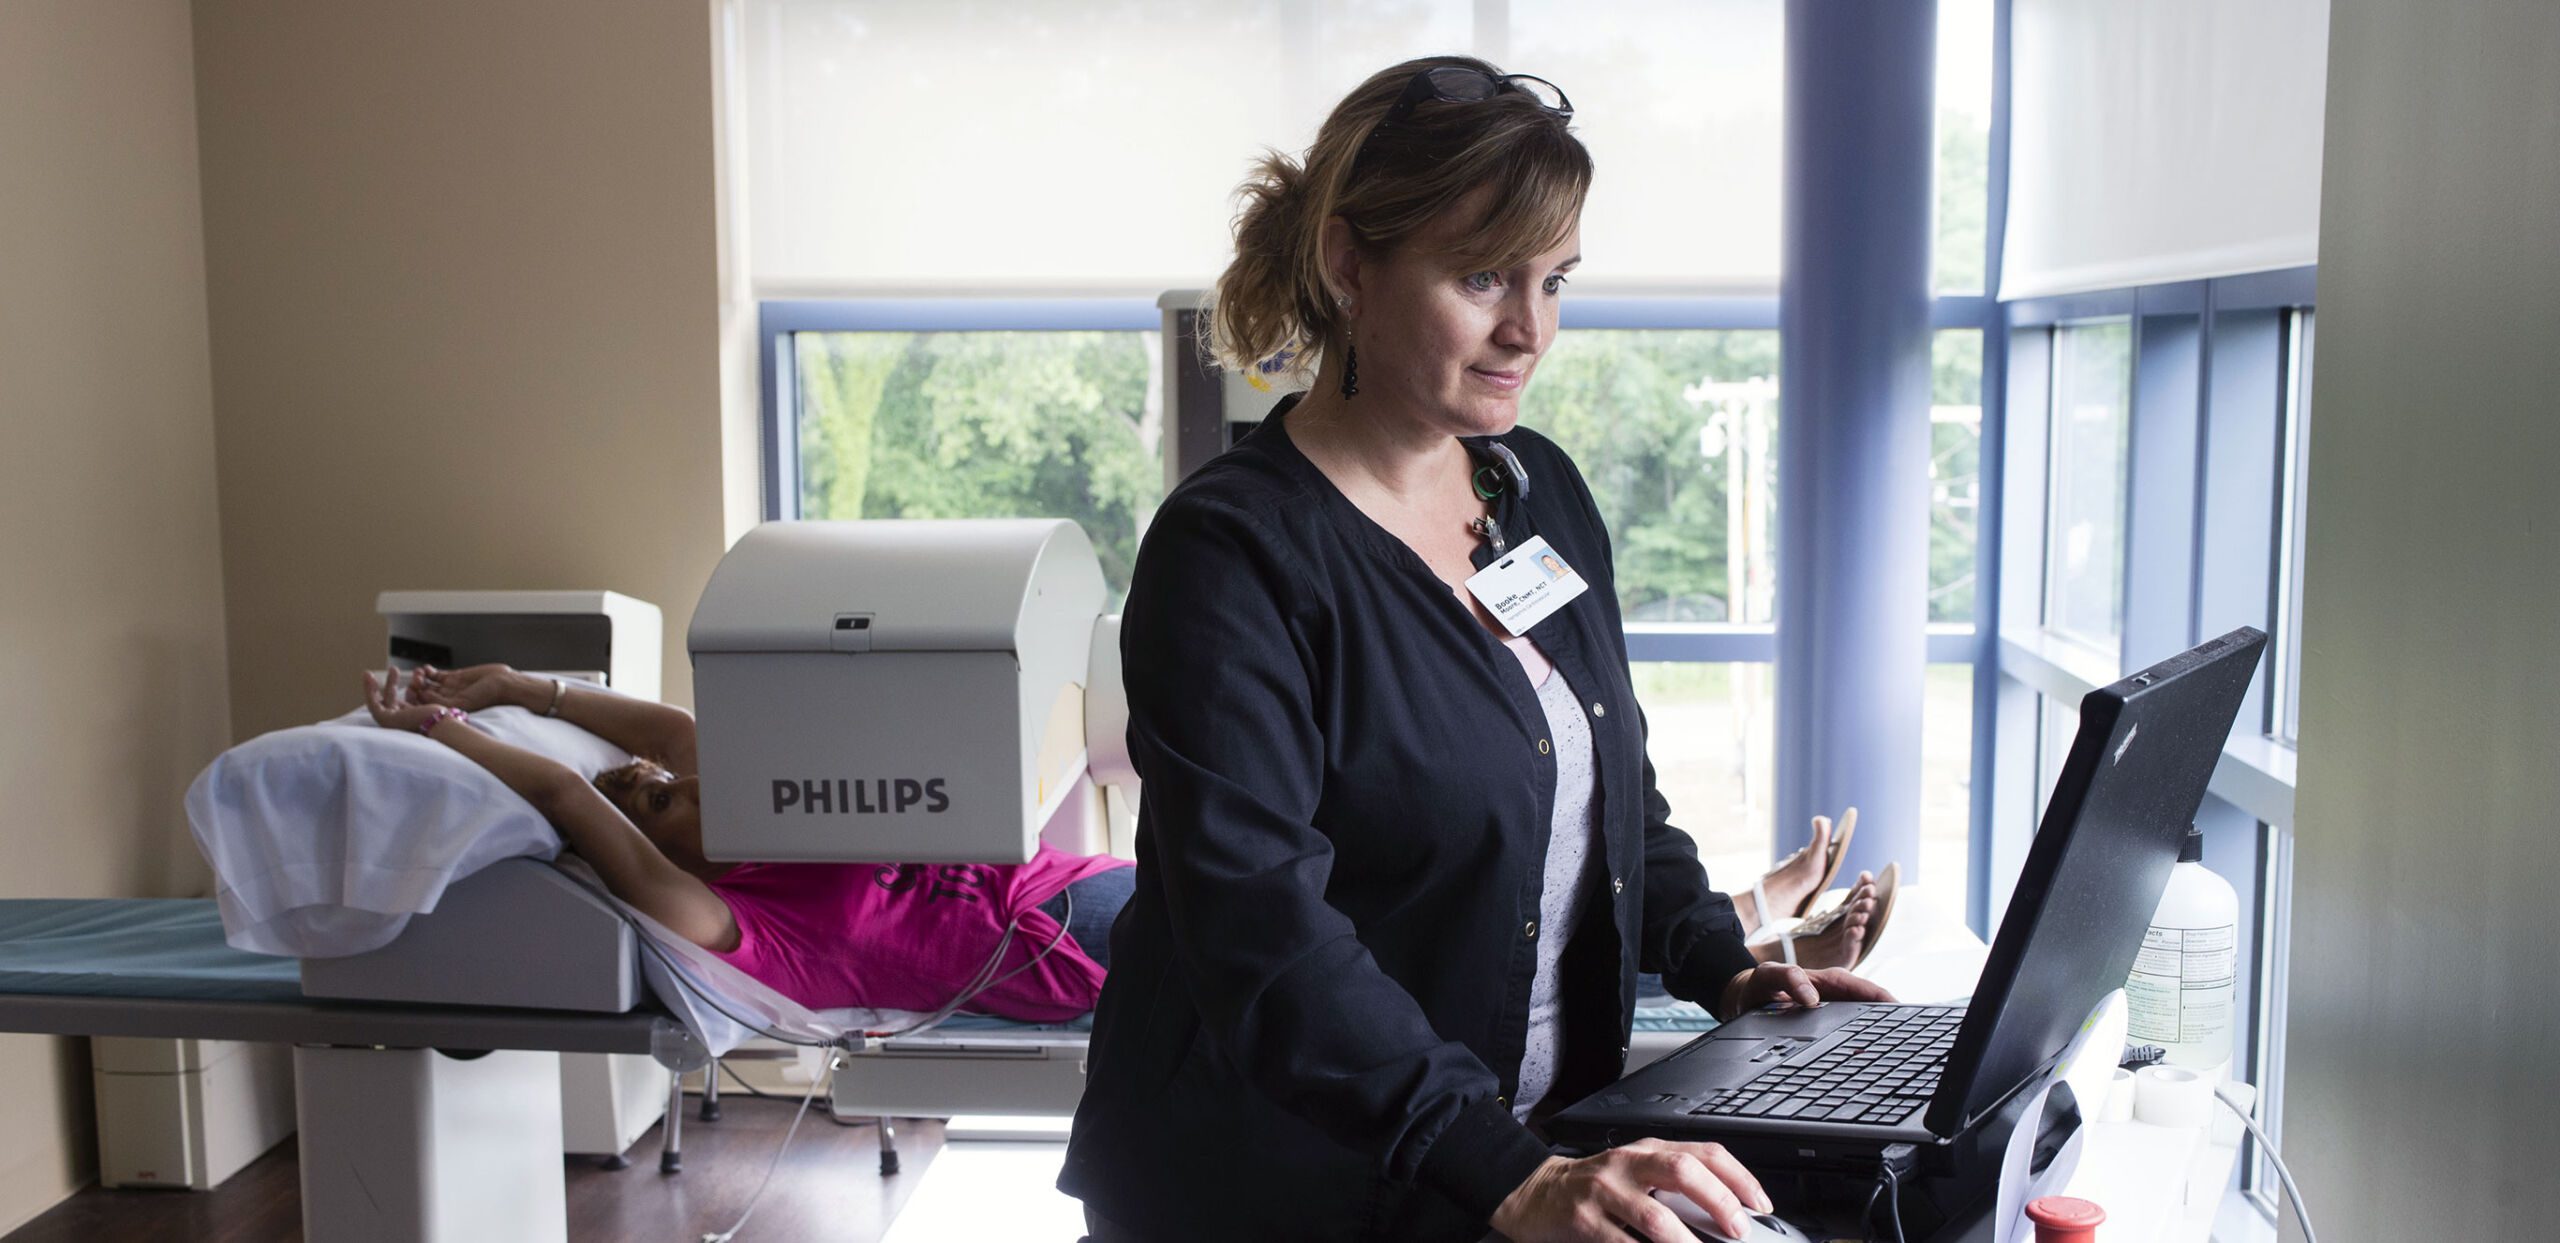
390,709
477,688
1599,1198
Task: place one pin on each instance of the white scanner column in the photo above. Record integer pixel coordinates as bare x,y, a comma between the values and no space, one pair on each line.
892,691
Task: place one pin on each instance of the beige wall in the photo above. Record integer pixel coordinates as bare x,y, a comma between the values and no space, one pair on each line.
461,268
462,265
2423,1003
111,618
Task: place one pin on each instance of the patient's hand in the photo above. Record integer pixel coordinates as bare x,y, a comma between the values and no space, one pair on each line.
390,709
479,687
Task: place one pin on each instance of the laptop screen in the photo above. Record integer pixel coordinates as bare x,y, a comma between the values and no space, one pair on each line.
2136,773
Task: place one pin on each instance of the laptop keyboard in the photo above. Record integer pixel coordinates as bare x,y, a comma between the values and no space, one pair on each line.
1883,1068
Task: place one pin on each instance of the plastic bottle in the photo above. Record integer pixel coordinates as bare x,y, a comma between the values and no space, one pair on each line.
2180,995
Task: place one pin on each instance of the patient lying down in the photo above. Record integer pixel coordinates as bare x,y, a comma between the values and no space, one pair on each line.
826,935
899,936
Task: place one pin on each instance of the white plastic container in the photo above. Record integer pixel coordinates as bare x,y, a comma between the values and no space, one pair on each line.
2183,987
187,1113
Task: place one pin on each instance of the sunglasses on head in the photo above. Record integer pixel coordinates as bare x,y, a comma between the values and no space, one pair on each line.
1460,84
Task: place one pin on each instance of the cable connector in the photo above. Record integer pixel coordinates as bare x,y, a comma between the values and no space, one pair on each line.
1892,1165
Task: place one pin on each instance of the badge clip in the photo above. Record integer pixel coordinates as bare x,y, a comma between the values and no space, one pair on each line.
1511,461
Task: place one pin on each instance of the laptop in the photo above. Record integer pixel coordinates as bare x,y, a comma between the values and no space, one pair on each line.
1833,1086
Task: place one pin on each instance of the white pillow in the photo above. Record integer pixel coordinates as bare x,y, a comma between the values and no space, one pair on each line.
326,838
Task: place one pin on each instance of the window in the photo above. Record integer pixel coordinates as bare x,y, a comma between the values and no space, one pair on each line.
1064,424
1675,431
1964,143
1946,777
2222,426
2084,505
1711,726
1955,473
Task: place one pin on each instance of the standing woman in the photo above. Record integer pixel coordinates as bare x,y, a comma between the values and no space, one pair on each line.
1400,860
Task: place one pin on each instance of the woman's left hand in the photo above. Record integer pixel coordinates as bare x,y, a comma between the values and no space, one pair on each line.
479,687
1775,982
390,710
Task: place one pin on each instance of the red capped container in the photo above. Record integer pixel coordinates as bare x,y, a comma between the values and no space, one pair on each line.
2062,1219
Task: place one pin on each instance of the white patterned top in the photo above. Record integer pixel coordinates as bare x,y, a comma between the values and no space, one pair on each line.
1569,861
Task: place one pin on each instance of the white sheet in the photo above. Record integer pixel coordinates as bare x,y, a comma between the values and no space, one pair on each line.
325,839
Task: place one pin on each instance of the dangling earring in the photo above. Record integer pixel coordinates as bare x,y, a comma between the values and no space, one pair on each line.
1350,352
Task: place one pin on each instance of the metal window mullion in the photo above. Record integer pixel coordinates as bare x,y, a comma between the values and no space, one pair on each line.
1991,459
2134,336
2201,493
779,362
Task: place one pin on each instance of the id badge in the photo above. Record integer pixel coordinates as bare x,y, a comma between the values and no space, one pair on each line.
1527,585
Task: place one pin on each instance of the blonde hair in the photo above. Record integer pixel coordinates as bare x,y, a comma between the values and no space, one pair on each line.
1275,295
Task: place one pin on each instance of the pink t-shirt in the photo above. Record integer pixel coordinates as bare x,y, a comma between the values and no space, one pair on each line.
909,936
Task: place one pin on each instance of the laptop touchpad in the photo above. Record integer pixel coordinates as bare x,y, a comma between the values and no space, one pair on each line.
1749,1048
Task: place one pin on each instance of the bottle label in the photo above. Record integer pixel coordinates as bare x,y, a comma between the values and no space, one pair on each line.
2181,985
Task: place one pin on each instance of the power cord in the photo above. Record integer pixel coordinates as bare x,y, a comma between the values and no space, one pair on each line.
757,1200
2291,1192
980,983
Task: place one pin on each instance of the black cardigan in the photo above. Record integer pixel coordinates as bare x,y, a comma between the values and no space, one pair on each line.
1319,991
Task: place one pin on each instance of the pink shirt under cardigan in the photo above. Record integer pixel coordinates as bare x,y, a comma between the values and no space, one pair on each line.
909,936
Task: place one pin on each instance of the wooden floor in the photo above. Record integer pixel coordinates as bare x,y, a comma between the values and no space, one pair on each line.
829,1188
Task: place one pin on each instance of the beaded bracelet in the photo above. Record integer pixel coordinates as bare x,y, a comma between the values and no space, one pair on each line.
441,716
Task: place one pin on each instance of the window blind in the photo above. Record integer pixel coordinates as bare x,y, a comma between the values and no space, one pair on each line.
2161,140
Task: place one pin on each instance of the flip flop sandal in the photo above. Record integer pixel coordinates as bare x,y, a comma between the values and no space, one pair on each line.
1887,883
1782,933
1839,853
1786,932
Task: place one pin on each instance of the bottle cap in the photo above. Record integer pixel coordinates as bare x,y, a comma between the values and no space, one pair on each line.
2064,1219
2192,849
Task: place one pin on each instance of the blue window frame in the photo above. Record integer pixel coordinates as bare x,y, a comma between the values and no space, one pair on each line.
2215,374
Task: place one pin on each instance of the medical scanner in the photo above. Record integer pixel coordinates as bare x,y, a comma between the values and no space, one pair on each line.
893,691
898,692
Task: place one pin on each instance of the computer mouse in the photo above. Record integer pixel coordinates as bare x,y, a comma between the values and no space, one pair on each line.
1764,1227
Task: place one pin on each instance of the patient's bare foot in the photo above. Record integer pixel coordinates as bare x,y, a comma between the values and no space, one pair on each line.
1789,883
1834,937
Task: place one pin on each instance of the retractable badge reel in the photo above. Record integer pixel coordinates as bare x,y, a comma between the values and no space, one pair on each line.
1527,583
